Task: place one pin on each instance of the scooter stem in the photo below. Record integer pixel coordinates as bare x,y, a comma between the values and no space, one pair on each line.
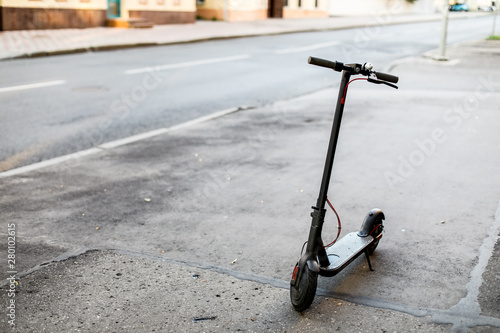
315,243
332,146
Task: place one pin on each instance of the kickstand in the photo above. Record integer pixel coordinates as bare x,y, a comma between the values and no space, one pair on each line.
369,262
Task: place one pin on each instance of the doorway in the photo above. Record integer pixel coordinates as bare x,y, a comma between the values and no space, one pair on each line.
275,8
113,8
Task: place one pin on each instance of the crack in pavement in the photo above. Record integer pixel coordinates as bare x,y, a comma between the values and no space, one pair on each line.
465,314
468,309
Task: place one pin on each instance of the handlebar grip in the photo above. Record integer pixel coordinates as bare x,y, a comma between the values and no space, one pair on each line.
387,77
322,62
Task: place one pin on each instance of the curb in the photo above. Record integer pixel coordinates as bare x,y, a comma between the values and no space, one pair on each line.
214,38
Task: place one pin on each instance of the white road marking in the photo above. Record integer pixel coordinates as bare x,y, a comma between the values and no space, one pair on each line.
50,162
33,86
307,48
142,136
186,64
118,143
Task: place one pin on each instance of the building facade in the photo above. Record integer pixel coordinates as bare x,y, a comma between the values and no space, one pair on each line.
44,14
248,10
305,8
161,11
57,14
375,7
233,10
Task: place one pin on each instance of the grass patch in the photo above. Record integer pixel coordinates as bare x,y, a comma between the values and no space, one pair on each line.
494,38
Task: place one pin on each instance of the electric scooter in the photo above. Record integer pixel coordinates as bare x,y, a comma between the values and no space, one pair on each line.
331,259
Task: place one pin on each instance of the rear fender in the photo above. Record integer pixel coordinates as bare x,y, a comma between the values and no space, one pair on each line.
372,219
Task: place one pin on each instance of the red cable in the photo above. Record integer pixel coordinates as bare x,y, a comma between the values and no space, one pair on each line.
339,223
347,85
378,225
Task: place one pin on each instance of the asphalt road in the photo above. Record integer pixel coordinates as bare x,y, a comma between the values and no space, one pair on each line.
85,100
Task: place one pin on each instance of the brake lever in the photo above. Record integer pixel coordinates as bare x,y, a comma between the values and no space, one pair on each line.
373,79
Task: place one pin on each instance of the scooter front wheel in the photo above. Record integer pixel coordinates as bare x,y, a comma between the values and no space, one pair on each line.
303,291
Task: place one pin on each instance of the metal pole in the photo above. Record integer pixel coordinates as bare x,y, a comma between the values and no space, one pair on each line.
444,32
494,20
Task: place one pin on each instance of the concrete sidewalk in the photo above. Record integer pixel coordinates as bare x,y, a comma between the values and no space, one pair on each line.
33,43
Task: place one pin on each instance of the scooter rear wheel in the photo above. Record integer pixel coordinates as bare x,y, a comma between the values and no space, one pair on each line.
303,292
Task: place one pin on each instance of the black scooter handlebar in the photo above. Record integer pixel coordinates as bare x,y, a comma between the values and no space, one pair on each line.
387,77
338,66
322,62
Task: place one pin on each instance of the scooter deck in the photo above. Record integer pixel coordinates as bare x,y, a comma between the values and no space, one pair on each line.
344,251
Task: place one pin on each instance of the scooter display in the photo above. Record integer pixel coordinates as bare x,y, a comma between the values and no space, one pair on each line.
331,259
